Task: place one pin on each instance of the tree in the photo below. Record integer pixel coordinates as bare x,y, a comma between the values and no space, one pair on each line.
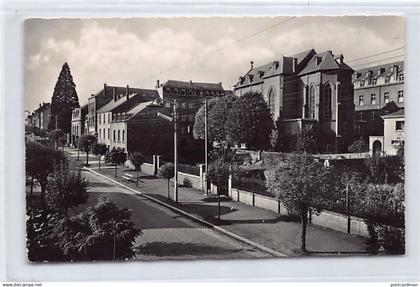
249,121
55,136
137,159
300,183
85,144
99,150
307,141
166,171
117,156
359,146
218,175
110,232
66,189
64,99
40,163
273,138
198,129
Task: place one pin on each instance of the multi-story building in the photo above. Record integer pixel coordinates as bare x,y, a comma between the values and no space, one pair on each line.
190,97
308,88
125,106
143,130
378,90
42,116
393,134
100,99
78,117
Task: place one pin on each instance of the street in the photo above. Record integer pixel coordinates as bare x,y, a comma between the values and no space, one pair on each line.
166,234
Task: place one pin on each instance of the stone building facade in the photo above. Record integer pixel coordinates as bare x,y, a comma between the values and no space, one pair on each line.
306,89
374,89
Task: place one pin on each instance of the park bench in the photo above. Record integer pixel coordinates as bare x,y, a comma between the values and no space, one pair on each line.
128,177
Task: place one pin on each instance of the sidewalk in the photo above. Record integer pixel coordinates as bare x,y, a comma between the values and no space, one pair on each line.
259,225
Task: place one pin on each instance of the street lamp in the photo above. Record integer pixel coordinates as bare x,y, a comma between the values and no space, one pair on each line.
173,119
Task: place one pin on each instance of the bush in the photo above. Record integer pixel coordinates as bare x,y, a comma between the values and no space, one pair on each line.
187,182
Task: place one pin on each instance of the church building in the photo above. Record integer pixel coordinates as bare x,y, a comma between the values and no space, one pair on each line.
306,89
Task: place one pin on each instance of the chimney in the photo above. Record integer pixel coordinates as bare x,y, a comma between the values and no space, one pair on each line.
341,59
252,65
39,105
104,90
294,65
127,92
114,93
395,72
157,84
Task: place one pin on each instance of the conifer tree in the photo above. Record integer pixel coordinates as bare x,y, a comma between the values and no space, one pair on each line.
64,100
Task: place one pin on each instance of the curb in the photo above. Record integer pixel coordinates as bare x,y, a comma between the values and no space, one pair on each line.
193,217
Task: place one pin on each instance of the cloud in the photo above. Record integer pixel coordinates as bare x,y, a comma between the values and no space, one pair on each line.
100,54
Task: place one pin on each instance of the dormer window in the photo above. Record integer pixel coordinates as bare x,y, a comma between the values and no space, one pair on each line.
276,64
401,77
260,74
241,80
374,81
250,77
381,70
318,60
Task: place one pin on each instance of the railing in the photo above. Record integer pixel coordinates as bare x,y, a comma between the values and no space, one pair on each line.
251,185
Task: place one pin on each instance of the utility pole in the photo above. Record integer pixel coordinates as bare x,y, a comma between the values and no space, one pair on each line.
175,155
206,164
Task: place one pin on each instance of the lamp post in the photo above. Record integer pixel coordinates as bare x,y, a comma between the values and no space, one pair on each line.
174,120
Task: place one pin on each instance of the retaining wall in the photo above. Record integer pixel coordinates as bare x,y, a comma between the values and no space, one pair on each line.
195,180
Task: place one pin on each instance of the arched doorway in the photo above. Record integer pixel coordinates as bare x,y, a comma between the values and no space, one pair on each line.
377,147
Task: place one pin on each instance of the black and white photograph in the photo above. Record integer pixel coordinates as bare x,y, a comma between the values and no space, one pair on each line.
196,138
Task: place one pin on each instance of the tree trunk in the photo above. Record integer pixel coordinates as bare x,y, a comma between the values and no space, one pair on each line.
43,188
137,180
78,150
218,205
99,162
115,170
169,196
304,221
32,189
87,158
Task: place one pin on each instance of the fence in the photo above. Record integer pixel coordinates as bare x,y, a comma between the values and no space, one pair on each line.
190,169
251,185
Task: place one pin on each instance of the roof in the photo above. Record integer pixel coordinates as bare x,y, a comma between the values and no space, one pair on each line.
118,91
284,65
42,107
397,114
324,61
136,99
193,85
383,70
122,105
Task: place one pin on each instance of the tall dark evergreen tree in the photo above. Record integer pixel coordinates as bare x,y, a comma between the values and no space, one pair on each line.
64,100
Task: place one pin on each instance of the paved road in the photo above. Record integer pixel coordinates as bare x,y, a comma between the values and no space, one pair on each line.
166,234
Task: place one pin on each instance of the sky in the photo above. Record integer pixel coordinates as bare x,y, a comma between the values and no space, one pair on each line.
139,51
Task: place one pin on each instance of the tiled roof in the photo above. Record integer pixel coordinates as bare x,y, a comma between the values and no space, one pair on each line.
376,73
134,100
43,107
397,114
193,85
323,62
122,105
284,65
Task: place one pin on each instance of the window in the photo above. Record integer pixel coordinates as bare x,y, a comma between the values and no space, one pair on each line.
387,80
362,83
109,119
119,139
123,136
374,81
386,97
311,102
326,96
113,138
100,134
103,135
401,96
109,133
271,100
373,99
399,125
401,77
360,100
